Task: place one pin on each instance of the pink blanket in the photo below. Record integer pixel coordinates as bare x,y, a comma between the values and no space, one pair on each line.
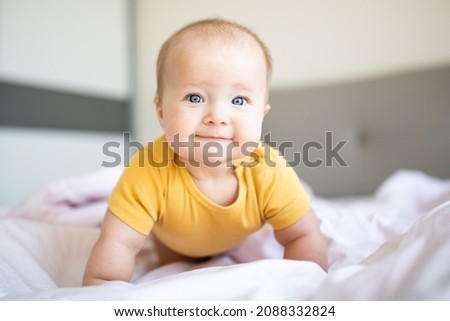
394,244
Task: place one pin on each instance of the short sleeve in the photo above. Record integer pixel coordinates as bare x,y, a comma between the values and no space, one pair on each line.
285,199
137,198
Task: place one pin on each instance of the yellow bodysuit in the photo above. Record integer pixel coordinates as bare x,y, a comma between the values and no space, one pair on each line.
156,193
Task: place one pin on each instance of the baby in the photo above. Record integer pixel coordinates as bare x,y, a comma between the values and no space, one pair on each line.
208,183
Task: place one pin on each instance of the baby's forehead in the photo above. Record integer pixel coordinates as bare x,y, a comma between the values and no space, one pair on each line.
207,35
192,42
214,38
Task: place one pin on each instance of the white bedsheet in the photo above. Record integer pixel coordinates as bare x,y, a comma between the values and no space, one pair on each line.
394,244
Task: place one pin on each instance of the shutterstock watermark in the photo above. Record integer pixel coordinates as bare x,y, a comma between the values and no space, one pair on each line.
331,152
119,152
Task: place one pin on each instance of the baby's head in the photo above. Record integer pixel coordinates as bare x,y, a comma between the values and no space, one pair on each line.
209,30
213,83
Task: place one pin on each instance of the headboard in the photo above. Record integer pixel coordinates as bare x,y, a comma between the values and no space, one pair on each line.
346,139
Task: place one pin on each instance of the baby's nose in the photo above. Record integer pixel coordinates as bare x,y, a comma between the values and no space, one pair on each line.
216,116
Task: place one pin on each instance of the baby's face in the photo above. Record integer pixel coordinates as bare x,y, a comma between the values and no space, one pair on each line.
214,94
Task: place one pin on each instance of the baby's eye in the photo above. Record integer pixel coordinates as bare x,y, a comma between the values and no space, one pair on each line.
238,101
195,99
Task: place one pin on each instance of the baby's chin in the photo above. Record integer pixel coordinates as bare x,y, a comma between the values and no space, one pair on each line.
211,151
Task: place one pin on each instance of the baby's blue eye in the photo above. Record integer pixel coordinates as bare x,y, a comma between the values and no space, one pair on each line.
195,99
239,101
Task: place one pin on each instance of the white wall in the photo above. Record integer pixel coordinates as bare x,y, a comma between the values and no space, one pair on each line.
71,45
75,46
312,42
82,46
31,158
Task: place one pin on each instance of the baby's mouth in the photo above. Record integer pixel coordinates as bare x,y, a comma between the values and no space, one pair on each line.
212,138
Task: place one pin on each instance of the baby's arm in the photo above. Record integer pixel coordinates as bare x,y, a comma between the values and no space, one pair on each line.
304,241
113,255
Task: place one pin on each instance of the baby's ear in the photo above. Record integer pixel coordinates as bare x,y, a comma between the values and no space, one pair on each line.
266,109
159,111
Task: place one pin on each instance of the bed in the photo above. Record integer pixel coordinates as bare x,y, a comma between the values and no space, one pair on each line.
386,215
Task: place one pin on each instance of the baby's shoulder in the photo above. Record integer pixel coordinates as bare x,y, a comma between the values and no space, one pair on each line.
264,160
153,155
266,156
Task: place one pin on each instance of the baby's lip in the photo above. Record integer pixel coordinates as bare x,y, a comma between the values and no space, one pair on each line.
212,137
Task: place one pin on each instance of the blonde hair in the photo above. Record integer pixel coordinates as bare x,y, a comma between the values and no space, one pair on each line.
208,29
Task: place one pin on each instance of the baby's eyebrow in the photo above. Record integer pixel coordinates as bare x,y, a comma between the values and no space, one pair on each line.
242,86
194,84
237,86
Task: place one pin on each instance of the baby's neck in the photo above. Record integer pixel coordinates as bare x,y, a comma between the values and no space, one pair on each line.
220,185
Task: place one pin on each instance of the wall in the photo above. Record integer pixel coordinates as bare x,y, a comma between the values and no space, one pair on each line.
73,45
68,56
83,47
312,42
33,157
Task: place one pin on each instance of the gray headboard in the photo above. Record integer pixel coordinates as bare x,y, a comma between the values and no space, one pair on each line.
375,127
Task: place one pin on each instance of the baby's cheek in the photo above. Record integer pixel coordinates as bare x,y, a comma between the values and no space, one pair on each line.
251,132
